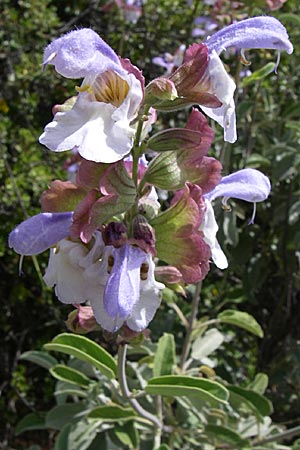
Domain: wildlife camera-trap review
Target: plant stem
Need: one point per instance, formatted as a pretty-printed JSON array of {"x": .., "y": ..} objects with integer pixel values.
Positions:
[
  {"x": 187, "y": 341},
  {"x": 126, "y": 392},
  {"x": 158, "y": 431},
  {"x": 278, "y": 437},
  {"x": 136, "y": 145}
]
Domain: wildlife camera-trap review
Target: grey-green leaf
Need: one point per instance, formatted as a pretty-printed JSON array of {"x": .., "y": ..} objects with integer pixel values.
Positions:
[
  {"x": 173, "y": 385},
  {"x": 226, "y": 435},
  {"x": 259, "y": 402},
  {"x": 242, "y": 320},
  {"x": 31, "y": 421},
  {"x": 164, "y": 359},
  {"x": 207, "y": 344},
  {"x": 112, "y": 413},
  {"x": 260, "y": 383},
  {"x": 259, "y": 74},
  {"x": 61, "y": 415},
  {"x": 127, "y": 434},
  {"x": 70, "y": 375},
  {"x": 86, "y": 350},
  {"x": 42, "y": 359}
]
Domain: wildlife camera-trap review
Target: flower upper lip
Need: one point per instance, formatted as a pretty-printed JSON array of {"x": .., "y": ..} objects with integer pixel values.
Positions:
[
  {"x": 256, "y": 32},
  {"x": 81, "y": 52}
]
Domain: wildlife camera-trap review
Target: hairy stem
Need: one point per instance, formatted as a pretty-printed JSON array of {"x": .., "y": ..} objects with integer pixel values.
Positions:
[
  {"x": 158, "y": 431},
  {"x": 126, "y": 392},
  {"x": 278, "y": 437},
  {"x": 187, "y": 341}
]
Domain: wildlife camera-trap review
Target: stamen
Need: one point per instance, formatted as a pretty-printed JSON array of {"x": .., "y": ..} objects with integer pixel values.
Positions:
[
  {"x": 243, "y": 58},
  {"x": 225, "y": 206},
  {"x": 110, "y": 88},
  {"x": 144, "y": 271},
  {"x": 20, "y": 265},
  {"x": 277, "y": 62},
  {"x": 110, "y": 263},
  {"x": 251, "y": 222},
  {"x": 84, "y": 88},
  {"x": 56, "y": 249},
  {"x": 49, "y": 59}
]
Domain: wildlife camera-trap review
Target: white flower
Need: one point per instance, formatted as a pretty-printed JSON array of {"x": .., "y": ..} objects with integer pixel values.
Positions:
[
  {"x": 119, "y": 287},
  {"x": 78, "y": 271},
  {"x": 99, "y": 122}
]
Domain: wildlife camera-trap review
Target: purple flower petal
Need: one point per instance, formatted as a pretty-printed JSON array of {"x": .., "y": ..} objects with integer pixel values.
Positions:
[
  {"x": 256, "y": 32},
  {"x": 247, "y": 184},
  {"x": 122, "y": 289},
  {"x": 81, "y": 52},
  {"x": 37, "y": 234}
]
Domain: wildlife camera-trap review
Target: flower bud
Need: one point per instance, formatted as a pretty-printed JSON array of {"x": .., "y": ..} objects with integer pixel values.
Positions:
[
  {"x": 168, "y": 274},
  {"x": 115, "y": 233},
  {"x": 160, "y": 89},
  {"x": 81, "y": 320},
  {"x": 143, "y": 233},
  {"x": 134, "y": 338}
]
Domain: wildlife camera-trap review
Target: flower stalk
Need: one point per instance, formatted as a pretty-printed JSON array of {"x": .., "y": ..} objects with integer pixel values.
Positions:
[
  {"x": 187, "y": 341},
  {"x": 126, "y": 392}
]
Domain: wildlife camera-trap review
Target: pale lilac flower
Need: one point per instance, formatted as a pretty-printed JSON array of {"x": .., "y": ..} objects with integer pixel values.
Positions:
[
  {"x": 247, "y": 184},
  {"x": 38, "y": 233},
  {"x": 99, "y": 123},
  {"x": 132, "y": 8},
  {"x": 170, "y": 62},
  {"x": 80, "y": 53},
  {"x": 203, "y": 27},
  {"x": 257, "y": 32},
  {"x": 275, "y": 4},
  {"x": 118, "y": 282}
]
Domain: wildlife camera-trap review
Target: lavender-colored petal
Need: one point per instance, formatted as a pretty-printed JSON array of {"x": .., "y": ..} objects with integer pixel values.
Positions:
[
  {"x": 149, "y": 301},
  {"x": 256, "y": 32},
  {"x": 37, "y": 234},
  {"x": 247, "y": 184},
  {"x": 81, "y": 52},
  {"x": 159, "y": 61},
  {"x": 122, "y": 289}
]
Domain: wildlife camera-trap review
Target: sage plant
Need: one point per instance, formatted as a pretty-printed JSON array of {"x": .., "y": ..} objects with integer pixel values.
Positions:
[{"x": 112, "y": 247}]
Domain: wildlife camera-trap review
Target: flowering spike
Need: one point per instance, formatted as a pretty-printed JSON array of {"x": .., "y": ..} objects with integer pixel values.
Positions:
[
  {"x": 256, "y": 32},
  {"x": 38, "y": 233}
]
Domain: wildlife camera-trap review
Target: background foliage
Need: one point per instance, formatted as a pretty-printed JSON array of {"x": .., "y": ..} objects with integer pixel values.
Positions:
[{"x": 263, "y": 277}]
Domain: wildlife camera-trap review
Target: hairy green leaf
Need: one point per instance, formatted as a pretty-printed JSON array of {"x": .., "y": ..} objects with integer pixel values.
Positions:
[{"x": 86, "y": 350}]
